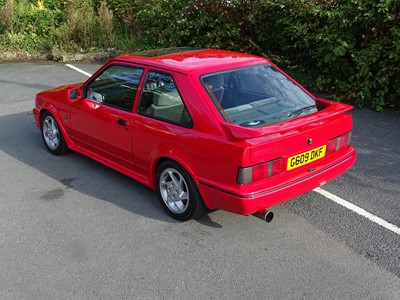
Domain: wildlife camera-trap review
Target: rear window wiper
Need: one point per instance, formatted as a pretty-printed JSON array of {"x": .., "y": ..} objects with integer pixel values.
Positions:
[{"x": 297, "y": 112}]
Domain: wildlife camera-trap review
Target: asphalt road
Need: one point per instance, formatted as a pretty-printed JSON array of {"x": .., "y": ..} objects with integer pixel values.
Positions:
[{"x": 71, "y": 228}]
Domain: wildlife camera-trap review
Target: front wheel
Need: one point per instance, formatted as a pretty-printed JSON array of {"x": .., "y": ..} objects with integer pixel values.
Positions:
[
  {"x": 178, "y": 193},
  {"x": 52, "y": 135}
]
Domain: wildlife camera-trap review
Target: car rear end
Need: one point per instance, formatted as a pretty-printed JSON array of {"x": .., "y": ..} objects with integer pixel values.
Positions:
[{"x": 292, "y": 142}]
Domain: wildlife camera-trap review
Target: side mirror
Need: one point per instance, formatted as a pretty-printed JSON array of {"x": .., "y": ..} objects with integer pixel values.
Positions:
[{"x": 75, "y": 94}]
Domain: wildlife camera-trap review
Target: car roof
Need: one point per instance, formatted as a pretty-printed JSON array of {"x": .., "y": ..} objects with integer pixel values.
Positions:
[{"x": 202, "y": 61}]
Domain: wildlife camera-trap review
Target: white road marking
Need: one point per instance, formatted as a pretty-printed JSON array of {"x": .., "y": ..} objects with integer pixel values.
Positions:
[
  {"x": 330, "y": 196},
  {"x": 78, "y": 70},
  {"x": 358, "y": 210}
]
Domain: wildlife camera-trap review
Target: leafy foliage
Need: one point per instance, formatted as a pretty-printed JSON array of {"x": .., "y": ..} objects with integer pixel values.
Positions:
[
  {"x": 25, "y": 26},
  {"x": 349, "y": 49}
]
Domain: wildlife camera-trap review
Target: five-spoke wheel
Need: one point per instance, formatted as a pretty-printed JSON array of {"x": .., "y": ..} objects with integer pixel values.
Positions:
[
  {"x": 52, "y": 136},
  {"x": 178, "y": 193},
  {"x": 174, "y": 190}
]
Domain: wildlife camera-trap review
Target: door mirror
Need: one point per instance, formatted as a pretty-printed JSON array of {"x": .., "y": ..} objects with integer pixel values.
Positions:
[{"x": 75, "y": 94}]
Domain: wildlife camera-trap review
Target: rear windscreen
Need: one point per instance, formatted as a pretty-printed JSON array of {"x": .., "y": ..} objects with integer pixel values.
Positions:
[{"x": 257, "y": 96}]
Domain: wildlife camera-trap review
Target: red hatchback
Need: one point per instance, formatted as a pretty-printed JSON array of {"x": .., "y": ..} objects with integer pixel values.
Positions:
[{"x": 207, "y": 129}]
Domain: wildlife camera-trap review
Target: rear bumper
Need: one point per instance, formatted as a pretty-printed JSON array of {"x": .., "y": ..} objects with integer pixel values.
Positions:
[{"x": 246, "y": 204}]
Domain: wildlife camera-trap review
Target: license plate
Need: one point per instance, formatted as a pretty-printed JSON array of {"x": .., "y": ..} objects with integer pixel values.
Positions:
[{"x": 305, "y": 157}]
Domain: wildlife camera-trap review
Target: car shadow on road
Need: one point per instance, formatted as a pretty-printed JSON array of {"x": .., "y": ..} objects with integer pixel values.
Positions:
[{"x": 21, "y": 139}]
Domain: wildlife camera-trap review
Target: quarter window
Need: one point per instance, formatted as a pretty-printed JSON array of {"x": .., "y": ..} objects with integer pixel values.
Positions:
[
  {"x": 160, "y": 99},
  {"x": 116, "y": 86}
]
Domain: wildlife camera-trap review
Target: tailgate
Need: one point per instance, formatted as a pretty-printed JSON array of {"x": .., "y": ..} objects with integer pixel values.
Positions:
[{"x": 302, "y": 145}]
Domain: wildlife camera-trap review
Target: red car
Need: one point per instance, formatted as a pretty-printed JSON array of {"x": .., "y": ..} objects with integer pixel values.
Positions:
[{"x": 207, "y": 129}]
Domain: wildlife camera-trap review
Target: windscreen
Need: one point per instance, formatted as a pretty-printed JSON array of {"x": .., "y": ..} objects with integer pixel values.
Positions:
[{"x": 256, "y": 96}]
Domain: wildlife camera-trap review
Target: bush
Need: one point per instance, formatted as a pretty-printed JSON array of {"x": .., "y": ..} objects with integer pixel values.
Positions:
[
  {"x": 26, "y": 27},
  {"x": 358, "y": 51},
  {"x": 213, "y": 24},
  {"x": 347, "y": 48},
  {"x": 72, "y": 25},
  {"x": 78, "y": 30}
]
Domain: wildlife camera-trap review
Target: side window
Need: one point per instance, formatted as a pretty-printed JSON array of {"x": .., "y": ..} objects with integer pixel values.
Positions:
[
  {"x": 160, "y": 99},
  {"x": 116, "y": 87}
]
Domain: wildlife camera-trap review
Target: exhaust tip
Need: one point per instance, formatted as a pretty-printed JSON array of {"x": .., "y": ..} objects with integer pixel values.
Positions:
[{"x": 264, "y": 215}]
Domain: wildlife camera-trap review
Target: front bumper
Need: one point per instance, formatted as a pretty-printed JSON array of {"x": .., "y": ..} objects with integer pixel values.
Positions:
[{"x": 36, "y": 115}]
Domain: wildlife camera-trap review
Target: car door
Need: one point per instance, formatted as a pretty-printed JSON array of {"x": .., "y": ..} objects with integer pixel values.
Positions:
[
  {"x": 162, "y": 119},
  {"x": 101, "y": 120}
]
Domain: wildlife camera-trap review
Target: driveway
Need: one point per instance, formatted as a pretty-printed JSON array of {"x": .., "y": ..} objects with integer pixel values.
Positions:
[{"x": 71, "y": 228}]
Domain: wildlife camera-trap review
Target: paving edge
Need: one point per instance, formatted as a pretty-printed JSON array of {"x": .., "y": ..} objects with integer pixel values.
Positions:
[{"x": 67, "y": 57}]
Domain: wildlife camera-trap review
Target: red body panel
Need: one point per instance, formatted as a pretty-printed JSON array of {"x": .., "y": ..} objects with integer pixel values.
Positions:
[{"x": 212, "y": 150}]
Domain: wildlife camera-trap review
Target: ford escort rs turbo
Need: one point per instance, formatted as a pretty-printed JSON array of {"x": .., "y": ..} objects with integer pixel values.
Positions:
[{"x": 206, "y": 129}]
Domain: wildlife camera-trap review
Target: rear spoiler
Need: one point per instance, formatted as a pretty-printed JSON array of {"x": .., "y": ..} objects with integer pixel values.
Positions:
[{"x": 329, "y": 110}]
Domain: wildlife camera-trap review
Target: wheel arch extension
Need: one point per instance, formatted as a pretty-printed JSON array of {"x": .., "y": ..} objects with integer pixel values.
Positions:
[
  {"x": 181, "y": 162},
  {"x": 173, "y": 158},
  {"x": 53, "y": 111}
]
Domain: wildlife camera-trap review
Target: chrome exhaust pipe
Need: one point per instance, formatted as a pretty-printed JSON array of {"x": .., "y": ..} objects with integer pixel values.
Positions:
[{"x": 264, "y": 215}]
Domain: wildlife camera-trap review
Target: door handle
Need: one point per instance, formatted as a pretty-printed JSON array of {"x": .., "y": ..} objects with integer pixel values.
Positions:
[{"x": 121, "y": 122}]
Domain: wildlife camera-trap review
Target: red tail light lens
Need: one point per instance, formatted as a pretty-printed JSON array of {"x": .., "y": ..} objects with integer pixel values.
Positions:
[
  {"x": 345, "y": 140},
  {"x": 339, "y": 143},
  {"x": 262, "y": 171},
  {"x": 332, "y": 146},
  {"x": 277, "y": 167},
  {"x": 259, "y": 172}
]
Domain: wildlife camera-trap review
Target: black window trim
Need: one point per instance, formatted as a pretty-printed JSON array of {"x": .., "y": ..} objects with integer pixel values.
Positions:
[{"x": 92, "y": 79}]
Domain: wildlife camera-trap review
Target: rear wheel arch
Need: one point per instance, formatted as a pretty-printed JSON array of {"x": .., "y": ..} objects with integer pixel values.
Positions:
[
  {"x": 177, "y": 191},
  {"x": 181, "y": 159},
  {"x": 177, "y": 161}
]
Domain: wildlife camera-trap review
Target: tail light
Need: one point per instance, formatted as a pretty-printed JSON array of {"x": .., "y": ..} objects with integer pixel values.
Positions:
[
  {"x": 258, "y": 172},
  {"x": 339, "y": 143}
]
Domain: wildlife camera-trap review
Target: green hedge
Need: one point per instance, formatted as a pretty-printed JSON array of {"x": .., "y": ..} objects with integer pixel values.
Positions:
[{"x": 349, "y": 49}]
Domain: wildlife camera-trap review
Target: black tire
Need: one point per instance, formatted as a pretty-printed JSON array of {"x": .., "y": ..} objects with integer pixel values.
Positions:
[
  {"x": 52, "y": 135},
  {"x": 178, "y": 193}
]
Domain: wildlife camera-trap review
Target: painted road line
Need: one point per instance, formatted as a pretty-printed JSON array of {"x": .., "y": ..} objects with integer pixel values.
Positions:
[
  {"x": 78, "y": 70},
  {"x": 358, "y": 210}
]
